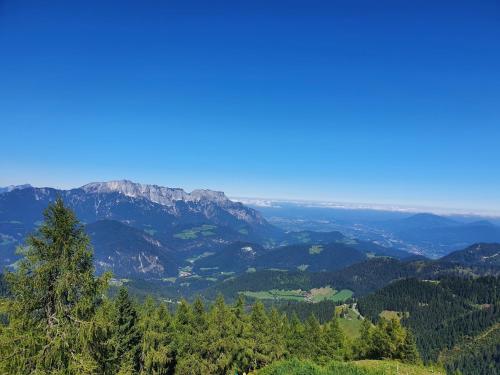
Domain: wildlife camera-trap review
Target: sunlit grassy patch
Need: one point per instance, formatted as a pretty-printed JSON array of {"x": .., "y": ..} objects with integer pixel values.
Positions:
[
  {"x": 193, "y": 233},
  {"x": 315, "y": 249}
]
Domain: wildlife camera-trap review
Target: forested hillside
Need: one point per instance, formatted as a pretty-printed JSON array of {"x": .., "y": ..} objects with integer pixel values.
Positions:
[
  {"x": 446, "y": 317},
  {"x": 59, "y": 320}
]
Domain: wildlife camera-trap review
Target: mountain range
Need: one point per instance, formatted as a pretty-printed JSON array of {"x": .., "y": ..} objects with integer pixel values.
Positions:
[
  {"x": 427, "y": 234},
  {"x": 156, "y": 232},
  {"x": 441, "y": 235},
  {"x": 135, "y": 221}
]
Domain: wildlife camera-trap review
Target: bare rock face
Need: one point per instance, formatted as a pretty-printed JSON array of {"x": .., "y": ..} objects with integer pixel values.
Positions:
[
  {"x": 157, "y": 194},
  {"x": 201, "y": 200}
]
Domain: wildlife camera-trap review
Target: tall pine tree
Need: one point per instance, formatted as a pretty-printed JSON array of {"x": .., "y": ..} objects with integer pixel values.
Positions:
[
  {"x": 127, "y": 335},
  {"x": 54, "y": 297}
]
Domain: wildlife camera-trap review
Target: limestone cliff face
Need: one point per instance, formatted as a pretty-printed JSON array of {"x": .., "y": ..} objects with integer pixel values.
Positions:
[{"x": 207, "y": 202}]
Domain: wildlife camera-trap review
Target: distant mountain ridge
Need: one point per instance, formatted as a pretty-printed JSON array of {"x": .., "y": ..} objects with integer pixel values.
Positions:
[
  {"x": 439, "y": 235},
  {"x": 185, "y": 222},
  {"x": 158, "y": 194},
  {"x": 173, "y": 201},
  {"x": 6, "y": 189},
  {"x": 482, "y": 254}
]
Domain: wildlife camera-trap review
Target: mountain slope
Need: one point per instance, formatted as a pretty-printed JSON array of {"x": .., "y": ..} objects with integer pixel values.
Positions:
[
  {"x": 169, "y": 215},
  {"x": 130, "y": 252},
  {"x": 362, "y": 277},
  {"x": 236, "y": 257},
  {"x": 240, "y": 256},
  {"x": 328, "y": 257},
  {"x": 442, "y": 315},
  {"x": 318, "y": 238},
  {"x": 437, "y": 236},
  {"x": 482, "y": 254}
]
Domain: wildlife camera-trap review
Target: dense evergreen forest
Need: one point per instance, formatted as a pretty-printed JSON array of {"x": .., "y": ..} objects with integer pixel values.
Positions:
[
  {"x": 449, "y": 316},
  {"x": 59, "y": 321}
]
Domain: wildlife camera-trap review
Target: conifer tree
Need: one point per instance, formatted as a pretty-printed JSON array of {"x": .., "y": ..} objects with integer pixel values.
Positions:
[
  {"x": 334, "y": 339},
  {"x": 363, "y": 345},
  {"x": 408, "y": 349},
  {"x": 243, "y": 341},
  {"x": 262, "y": 346},
  {"x": 127, "y": 335},
  {"x": 312, "y": 332},
  {"x": 100, "y": 338},
  {"x": 54, "y": 297},
  {"x": 222, "y": 344},
  {"x": 276, "y": 335},
  {"x": 157, "y": 353},
  {"x": 295, "y": 337},
  {"x": 199, "y": 315}
]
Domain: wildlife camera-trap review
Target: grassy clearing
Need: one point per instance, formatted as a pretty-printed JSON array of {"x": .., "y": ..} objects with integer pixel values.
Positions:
[
  {"x": 275, "y": 294},
  {"x": 315, "y": 249},
  {"x": 243, "y": 231},
  {"x": 198, "y": 257},
  {"x": 312, "y": 296},
  {"x": 350, "y": 323},
  {"x": 343, "y": 295},
  {"x": 193, "y": 233},
  {"x": 398, "y": 368},
  {"x": 169, "y": 279},
  {"x": 298, "y": 367},
  {"x": 187, "y": 235},
  {"x": 322, "y": 294}
]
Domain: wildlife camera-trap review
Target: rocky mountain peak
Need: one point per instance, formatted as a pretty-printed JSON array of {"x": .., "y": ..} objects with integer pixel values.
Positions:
[
  {"x": 10, "y": 188},
  {"x": 158, "y": 194}
]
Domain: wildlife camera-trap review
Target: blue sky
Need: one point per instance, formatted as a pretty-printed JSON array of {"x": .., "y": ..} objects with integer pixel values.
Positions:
[{"x": 364, "y": 101}]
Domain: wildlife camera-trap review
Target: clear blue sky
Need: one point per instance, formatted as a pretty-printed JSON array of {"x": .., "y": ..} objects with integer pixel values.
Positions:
[{"x": 368, "y": 101}]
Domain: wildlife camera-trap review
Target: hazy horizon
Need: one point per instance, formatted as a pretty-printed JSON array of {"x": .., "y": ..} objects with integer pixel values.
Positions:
[{"x": 266, "y": 201}]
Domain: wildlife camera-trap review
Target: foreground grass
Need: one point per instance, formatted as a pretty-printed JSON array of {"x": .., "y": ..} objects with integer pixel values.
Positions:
[
  {"x": 369, "y": 367},
  {"x": 398, "y": 368}
]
